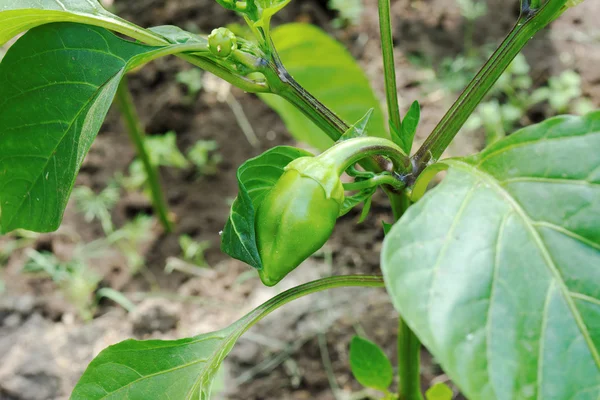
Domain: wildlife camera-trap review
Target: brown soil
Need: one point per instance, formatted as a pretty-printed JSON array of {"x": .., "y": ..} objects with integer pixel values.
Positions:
[{"x": 44, "y": 346}]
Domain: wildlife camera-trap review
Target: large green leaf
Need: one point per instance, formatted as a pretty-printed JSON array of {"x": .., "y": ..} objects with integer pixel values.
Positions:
[
  {"x": 255, "y": 178},
  {"x": 182, "y": 369},
  {"x": 56, "y": 85},
  {"x": 324, "y": 68},
  {"x": 498, "y": 268},
  {"x": 17, "y": 16}
]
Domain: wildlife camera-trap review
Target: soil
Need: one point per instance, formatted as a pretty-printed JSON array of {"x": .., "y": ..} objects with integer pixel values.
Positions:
[{"x": 45, "y": 346}]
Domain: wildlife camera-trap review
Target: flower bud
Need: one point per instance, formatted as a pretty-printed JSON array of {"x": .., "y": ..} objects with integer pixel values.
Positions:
[{"x": 222, "y": 42}]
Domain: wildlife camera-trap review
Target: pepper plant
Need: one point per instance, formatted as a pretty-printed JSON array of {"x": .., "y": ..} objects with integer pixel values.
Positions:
[{"x": 495, "y": 270}]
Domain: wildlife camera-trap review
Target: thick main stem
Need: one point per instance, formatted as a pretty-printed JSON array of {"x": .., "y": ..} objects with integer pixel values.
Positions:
[
  {"x": 136, "y": 134},
  {"x": 409, "y": 361},
  {"x": 409, "y": 345},
  {"x": 529, "y": 23},
  {"x": 387, "y": 47}
]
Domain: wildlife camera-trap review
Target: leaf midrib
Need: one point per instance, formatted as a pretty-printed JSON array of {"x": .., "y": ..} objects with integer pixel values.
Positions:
[{"x": 529, "y": 223}]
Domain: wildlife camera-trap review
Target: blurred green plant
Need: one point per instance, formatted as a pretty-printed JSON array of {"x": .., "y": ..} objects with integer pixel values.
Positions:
[
  {"x": 17, "y": 240},
  {"x": 471, "y": 10},
  {"x": 513, "y": 96},
  {"x": 204, "y": 156},
  {"x": 98, "y": 206},
  {"x": 163, "y": 152},
  {"x": 192, "y": 256},
  {"x": 349, "y": 12},
  {"x": 130, "y": 238},
  {"x": 192, "y": 80},
  {"x": 76, "y": 280}
]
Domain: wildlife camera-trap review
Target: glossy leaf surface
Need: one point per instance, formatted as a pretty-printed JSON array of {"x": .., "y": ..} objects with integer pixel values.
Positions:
[
  {"x": 255, "y": 178},
  {"x": 326, "y": 69},
  {"x": 497, "y": 269},
  {"x": 56, "y": 85}
]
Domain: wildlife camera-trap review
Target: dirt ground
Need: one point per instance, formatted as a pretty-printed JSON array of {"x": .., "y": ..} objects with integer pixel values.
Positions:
[{"x": 301, "y": 352}]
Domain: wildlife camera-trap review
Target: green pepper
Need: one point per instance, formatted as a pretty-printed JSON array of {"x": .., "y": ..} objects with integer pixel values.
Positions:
[
  {"x": 222, "y": 42},
  {"x": 297, "y": 216}
]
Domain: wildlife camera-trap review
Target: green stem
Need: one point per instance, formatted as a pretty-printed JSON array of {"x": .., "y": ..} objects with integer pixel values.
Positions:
[
  {"x": 373, "y": 182},
  {"x": 313, "y": 287},
  {"x": 528, "y": 24},
  {"x": 349, "y": 152},
  {"x": 409, "y": 345},
  {"x": 284, "y": 85},
  {"x": 387, "y": 47},
  {"x": 136, "y": 134},
  {"x": 409, "y": 355},
  {"x": 148, "y": 37}
]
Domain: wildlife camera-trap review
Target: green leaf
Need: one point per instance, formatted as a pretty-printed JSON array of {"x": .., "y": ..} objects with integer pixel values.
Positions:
[
  {"x": 369, "y": 364},
  {"x": 324, "y": 68},
  {"x": 153, "y": 369},
  {"x": 439, "y": 391},
  {"x": 255, "y": 178},
  {"x": 359, "y": 129},
  {"x": 183, "y": 369},
  {"x": 409, "y": 127},
  {"x": 387, "y": 227},
  {"x": 17, "y": 16},
  {"x": 56, "y": 85},
  {"x": 268, "y": 9},
  {"x": 497, "y": 268}
]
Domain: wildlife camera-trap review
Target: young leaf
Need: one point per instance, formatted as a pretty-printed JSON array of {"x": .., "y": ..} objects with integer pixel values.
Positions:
[
  {"x": 439, "y": 391},
  {"x": 369, "y": 364},
  {"x": 328, "y": 71},
  {"x": 56, "y": 85},
  {"x": 352, "y": 201},
  {"x": 359, "y": 129},
  {"x": 386, "y": 227},
  {"x": 496, "y": 269},
  {"x": 365, "y": 211},
  {"x": 17, "y": 16},
  {"x": 185, "y": 368},
  {"x": 255, "y": 178},
  {"x": 409, "y": 127}
]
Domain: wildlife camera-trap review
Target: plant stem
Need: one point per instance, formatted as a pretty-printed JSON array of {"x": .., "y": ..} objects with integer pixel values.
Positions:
[
  {"x": 284, "y": 85},
  {"x": 347, "y": 153},
  {"x": 375, "y": 181},
  {"x": 409, "y": 345},
  {"x": 528, "y": 24},
  {"x": 314, "y": 287},
  {"x": 409, "y": 361},
  {"x": 387, "y": 47},
  {"x": 136, "y": 134}
]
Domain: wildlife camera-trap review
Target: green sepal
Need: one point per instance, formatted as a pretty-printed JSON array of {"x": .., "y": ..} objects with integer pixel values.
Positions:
[
  {"x": 324, "y": 174},
  {"x": 255, "y": 177}
]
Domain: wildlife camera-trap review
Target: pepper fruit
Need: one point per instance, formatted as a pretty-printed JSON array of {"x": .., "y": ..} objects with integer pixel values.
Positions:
[{"x": 297, "y": 216}]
